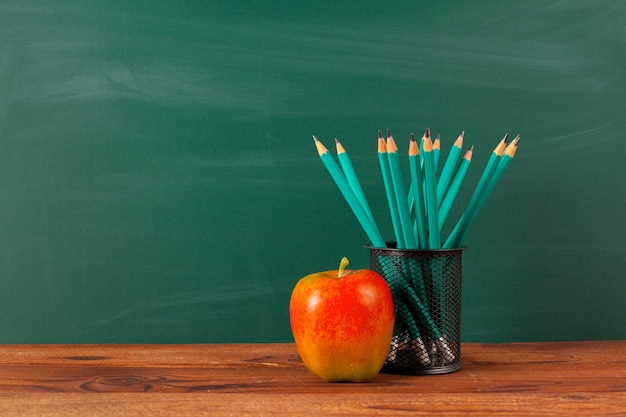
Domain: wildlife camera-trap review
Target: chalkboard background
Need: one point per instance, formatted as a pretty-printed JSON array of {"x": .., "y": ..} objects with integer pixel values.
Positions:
[{"x": 159, "y": 183}]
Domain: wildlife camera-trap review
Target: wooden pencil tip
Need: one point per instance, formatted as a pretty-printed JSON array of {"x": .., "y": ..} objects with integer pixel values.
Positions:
[
  {"x": 500, "y": 148},
  {"x": 510, "y": 149},
  {"x": 339, "y": 146},
  {"x": 459, "y": 140},
  {"x": 380, "y": 134},
  {"x": 391, "y": 145},
  {"x": 414, "y": 150},
  {"x": 428, "y": 144},
  {"x": 321, "y": 149},
  {"x": 427, "y": 133},
  {"x": 388, "y": 133},
  {"x": 382, "y": 146},
  {"x": 437, "y": 143}
]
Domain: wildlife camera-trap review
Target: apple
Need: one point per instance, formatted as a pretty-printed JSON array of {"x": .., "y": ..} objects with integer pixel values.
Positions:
[{"x": 342, "y": 323}]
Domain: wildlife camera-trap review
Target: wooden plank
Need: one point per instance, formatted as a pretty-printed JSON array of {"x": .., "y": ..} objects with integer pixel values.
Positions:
[{"x": 588, "y": 378}]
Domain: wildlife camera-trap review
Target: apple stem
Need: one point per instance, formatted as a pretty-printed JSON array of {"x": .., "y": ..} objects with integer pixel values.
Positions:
[{"x": 342, "y": 266}]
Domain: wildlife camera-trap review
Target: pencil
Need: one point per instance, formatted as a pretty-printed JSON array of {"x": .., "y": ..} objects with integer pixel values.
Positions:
[
  {"x": 417, "y": 194},
  {"x": 448, "y": 168},
  {"x": 447, "y": 202},
  {"x": 502, "y": 166},
  {"x": 455, "y": 238},
  {"x": 368, "y": 226},
  {"x": 391, "y": 199},
  {"x": 353, "y": 180},
  {"x": 436, "y": 152},
  {"x": 400, "y": 193},
  {"x": 430, "y": 191}
]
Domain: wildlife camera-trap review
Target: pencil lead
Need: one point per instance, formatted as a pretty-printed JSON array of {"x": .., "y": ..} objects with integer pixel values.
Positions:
[
  {"x": 427, "y": 133},
  {"x": 380, "y": 135},
  {"x": 388, "y": 133},
  {"x": 413, "y": 137}
]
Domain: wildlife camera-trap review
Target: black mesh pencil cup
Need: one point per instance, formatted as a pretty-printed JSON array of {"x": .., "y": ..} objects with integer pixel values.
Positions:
[{"x": 426, "y": 289}]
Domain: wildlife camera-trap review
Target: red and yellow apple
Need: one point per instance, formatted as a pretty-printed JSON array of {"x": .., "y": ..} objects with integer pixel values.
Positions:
[{"x": 342, "y": 323}]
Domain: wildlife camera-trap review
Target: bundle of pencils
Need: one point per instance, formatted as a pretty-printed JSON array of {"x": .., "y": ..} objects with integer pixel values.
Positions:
[{"x": 417, "y": 215}]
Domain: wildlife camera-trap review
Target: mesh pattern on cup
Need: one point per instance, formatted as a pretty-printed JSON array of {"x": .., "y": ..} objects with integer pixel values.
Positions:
[{"x": 426, "y": 289}]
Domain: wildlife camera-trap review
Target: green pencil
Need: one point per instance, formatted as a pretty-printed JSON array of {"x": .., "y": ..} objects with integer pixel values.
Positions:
[
  {"x": 502, "y": 165},
  {"x": 391, "y": 199},
  {"x": 446, "y": 205},
  {"x": 448, "y": 168},
  {"x": 455, "y": 238},
  {"x": 353, "y": 180},
  {"x": 430, "y": 191},
  {"x": 368, "y": 226},
  {"x": 417, "y": 194},
  {"x": 436, "y": 152},
  {"x": 395, "y": 169}
]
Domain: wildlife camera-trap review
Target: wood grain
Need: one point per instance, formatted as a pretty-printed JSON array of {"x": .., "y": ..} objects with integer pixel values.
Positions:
[{"x": 535, "y": 379}]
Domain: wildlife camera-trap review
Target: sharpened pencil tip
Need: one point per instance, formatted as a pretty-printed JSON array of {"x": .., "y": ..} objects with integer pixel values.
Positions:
[
  {"x": 388, "y": 133},
  {"x": 437, "y": 143},
  {"x": 339, "y": 146},
  {"x": 321, "y": 149},
  {"x": 414, "y": 150},
  {"x": 382, "y": 146},
  {"x": 500, "y": 148},
  {"x": 459, "y": 140},
  {"x": 512, "y": 148},
  {"x": 427, "y": 133},
  {"x": 380, "y": 135},
  {"x": 391, "y": 145}
]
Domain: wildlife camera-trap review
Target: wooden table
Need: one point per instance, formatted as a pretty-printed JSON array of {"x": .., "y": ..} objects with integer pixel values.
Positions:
[{"x": 575, "y": 378}]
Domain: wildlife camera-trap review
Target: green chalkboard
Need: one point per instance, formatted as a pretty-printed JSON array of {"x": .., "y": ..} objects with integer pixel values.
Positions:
[{"x": 159, "y": 183}]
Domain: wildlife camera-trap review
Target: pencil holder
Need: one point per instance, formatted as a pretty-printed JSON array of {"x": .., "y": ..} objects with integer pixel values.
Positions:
[{"x": 426, "y": 289}]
